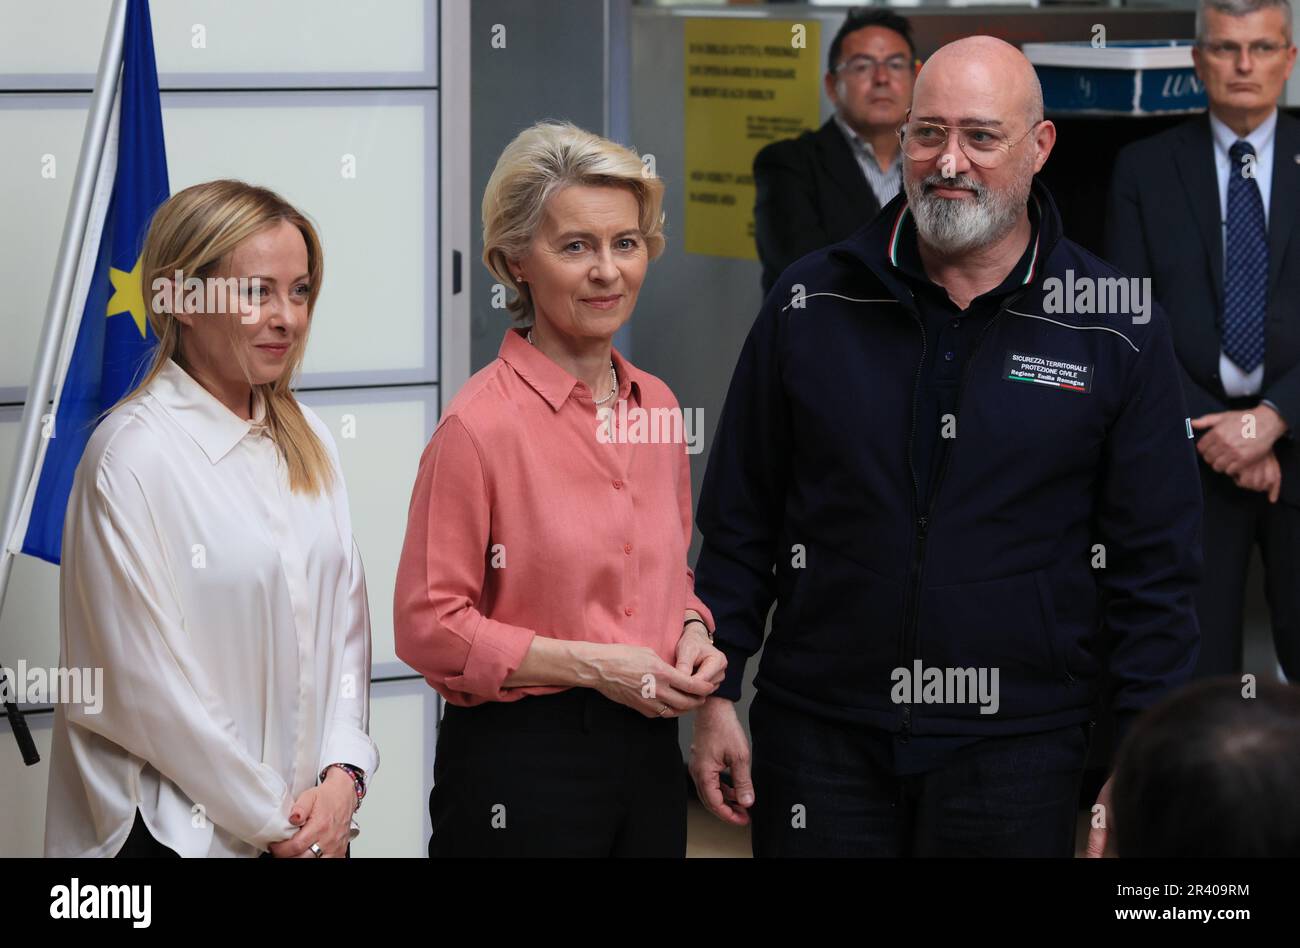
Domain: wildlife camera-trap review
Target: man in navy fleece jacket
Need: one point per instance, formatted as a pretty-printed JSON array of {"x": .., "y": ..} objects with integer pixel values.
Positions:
[{"x": 955, "y": 455}]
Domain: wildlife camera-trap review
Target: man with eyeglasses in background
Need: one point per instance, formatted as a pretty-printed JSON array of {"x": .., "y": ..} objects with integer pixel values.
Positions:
[
  {"x": 1208, "y": 211},
  {"x": 968, "y": 502},
  {"x": 822, "y": 186}
]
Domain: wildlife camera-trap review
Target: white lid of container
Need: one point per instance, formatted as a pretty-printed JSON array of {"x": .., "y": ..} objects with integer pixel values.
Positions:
[{"x": 1123, "y": 54}]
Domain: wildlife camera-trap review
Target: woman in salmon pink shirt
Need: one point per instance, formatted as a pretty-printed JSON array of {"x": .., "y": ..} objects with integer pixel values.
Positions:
[{"x": 543, "y": 588}]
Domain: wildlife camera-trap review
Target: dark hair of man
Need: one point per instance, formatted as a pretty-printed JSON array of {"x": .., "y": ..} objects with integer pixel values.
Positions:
[{"x": 860, "y": 18}]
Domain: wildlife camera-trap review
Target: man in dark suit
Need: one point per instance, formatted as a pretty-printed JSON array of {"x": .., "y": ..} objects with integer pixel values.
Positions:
[
  {"x": 1207, "y": 211},
  {"x": 819, "y": 188}
]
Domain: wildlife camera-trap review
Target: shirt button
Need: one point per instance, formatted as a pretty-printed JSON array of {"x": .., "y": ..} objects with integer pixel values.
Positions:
[
  {"x": 956, "y": 324},
  {"x": 627, "y": 548},
  {"x": 618, "y": 485},
  {"x": 627, "y": 611},
  {"x": 947, "y": 356}
]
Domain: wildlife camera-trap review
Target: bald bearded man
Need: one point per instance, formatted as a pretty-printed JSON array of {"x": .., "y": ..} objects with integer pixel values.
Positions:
[{"x": 955, "y": 455}]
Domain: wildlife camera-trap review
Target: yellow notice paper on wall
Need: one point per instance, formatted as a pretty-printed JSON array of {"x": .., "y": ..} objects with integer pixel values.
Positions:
[{"x": 748, "y": 83}]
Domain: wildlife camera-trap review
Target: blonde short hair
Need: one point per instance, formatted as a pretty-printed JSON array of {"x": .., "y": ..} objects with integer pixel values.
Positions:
[{"x": 542, "y": 160}]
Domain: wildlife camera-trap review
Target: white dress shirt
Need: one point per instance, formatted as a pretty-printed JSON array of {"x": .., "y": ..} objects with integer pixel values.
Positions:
[
  {"x": 886, "y": 184},
  {"x": 230, "y": 619},
  {"x": 1236, "y": 382}
]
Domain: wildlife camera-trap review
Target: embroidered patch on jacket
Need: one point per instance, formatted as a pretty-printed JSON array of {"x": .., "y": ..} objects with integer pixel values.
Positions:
[{"x": 1044, "y": 370}]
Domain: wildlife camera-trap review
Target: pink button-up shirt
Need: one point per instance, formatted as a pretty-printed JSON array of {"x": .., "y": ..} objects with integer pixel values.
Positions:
[{"x": 527, "y": 520}]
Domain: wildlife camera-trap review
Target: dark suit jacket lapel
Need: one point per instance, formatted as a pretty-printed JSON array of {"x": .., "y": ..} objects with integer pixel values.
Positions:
[
  {"x": 1195, "y": 162},
  {"x": 1284, "y": 202},
  {"x": 837, "y": 157}
]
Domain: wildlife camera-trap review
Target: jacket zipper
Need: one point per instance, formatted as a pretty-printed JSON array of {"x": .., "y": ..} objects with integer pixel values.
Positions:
[{"x": 922, "y": 520}]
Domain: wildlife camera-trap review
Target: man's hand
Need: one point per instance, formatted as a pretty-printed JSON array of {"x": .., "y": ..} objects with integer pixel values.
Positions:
[
  {"x": 1265, "y": 476},
  {"x": 718, "y": 744},
  {"x": 1098, "y": 836},
  {"x": 1234, "y": 440}
]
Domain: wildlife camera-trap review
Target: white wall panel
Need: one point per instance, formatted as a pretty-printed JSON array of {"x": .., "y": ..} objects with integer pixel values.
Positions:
[
  {"x": 376, "y": 321},
  {"x": 22, "y": 790},
  {"x": 29, "y": 623},
  {"x": 229, "y": 43},
  {"x": 394, "y": 818},
  {"x": 381, "y": 434},
  {"x": 31, "y": 222}
]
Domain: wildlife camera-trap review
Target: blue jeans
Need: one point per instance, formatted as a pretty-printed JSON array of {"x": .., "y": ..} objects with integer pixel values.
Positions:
[{"x": 820, "y": 790}]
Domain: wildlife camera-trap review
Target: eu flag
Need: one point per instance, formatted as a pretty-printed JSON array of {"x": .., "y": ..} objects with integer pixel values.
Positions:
[{"x": 114, "y": 342}]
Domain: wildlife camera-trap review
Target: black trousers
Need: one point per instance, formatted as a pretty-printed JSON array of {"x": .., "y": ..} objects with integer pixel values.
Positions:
[
  {"x": 140, "y": 844},
  {"x": 1235, "y": 520},
  {"x": 568, "y": 774},
  {"x": 819, "y": 792}
]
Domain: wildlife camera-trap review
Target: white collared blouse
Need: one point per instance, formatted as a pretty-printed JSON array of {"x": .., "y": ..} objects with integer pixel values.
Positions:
[{"x": 229, "y": 616}]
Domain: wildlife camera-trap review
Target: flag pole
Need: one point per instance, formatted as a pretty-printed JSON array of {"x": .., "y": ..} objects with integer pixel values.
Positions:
[{"x": 57, "y": 314}]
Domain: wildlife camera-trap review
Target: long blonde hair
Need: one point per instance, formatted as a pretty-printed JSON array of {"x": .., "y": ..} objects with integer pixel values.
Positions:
[{"x": 194, "y": 232}]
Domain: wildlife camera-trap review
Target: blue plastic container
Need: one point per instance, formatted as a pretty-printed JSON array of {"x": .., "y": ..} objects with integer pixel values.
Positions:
[{"x": 1131, "y": 77}]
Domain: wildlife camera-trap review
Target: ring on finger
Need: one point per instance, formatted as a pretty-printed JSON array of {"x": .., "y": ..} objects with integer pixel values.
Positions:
[{"x": 315, "y": 848}]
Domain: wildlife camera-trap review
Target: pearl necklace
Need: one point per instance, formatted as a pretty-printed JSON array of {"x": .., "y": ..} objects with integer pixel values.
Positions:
[{"x": 613, "y": 376}]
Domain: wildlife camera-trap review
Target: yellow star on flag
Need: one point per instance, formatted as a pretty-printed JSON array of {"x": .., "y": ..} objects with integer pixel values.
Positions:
[{"x": 128, "y": 296}]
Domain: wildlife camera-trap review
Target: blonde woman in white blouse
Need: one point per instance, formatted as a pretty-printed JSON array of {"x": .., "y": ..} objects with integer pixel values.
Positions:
[{"x": 209, "y": 568}]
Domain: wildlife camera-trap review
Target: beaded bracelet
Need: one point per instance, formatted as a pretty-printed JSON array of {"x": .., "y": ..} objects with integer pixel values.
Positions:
[{"x": 358, "y": 780}]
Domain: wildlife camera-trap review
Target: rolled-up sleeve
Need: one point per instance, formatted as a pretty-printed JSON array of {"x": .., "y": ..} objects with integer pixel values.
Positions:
[{"x": 438, "y": 628}]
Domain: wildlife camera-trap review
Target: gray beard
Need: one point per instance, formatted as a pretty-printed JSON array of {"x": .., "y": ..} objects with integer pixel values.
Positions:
[{"x": 955, "y": 227}]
